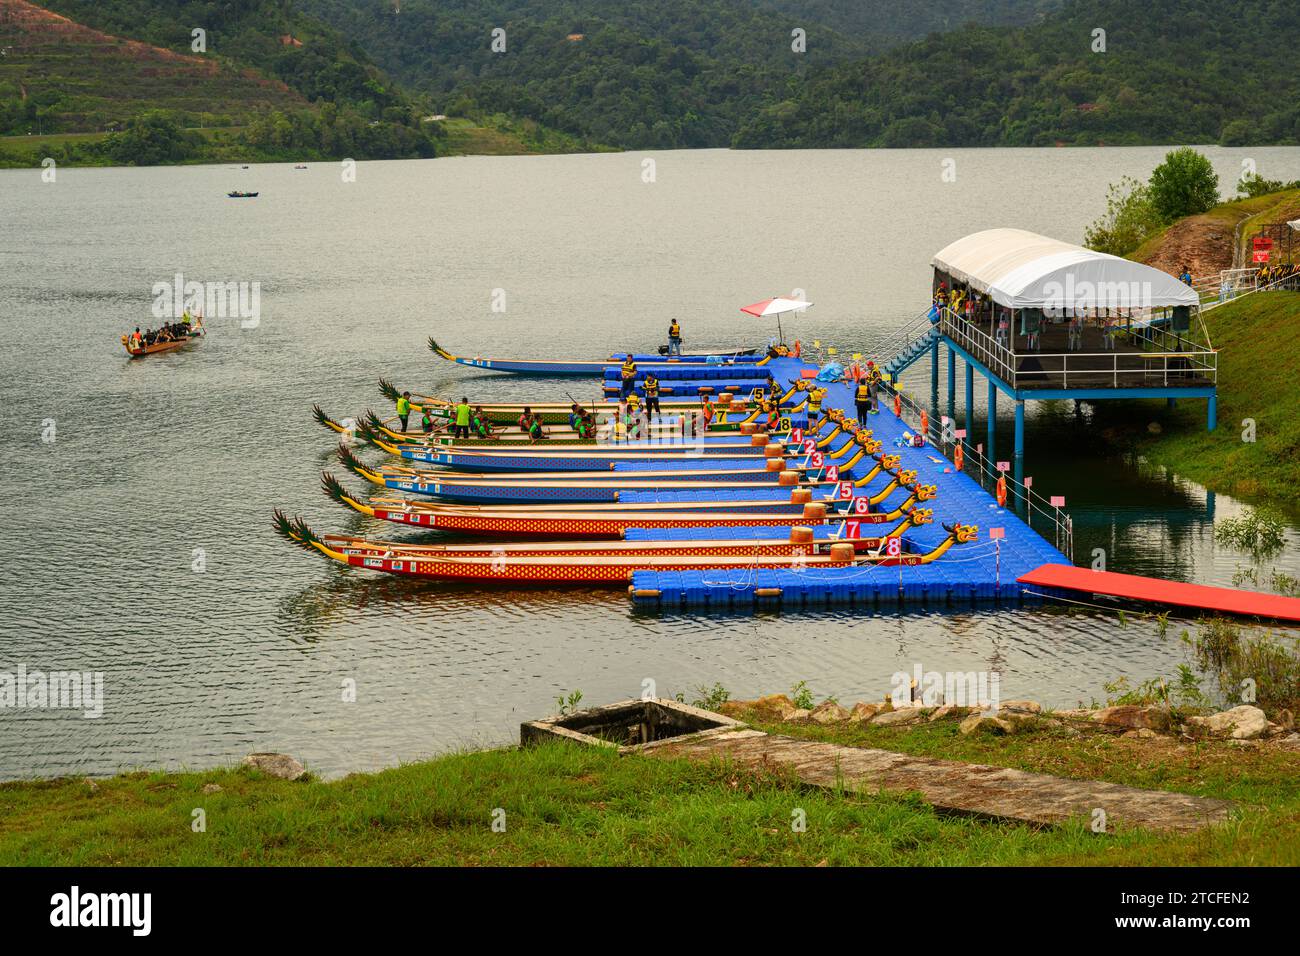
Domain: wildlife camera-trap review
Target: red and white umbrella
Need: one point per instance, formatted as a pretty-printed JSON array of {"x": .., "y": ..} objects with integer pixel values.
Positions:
[{"x": 778, "y": 307}]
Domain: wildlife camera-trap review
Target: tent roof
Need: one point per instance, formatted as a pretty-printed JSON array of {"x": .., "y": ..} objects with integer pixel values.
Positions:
[{"x": 1023, "y": 270}]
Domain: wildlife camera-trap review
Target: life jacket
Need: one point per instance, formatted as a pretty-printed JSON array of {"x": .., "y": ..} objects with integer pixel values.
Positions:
[
  {"x": 629, "y": 370},
  {"x": 462, "y": 414},
  {"x": 674, "y": 330},
  {"x": 403, "y": 406},
  {"x": 863, "y": 392},
  {"x": 651, "y": 386}
]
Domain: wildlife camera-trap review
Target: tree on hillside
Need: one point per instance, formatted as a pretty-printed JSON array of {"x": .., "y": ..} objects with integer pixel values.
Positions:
[
  {"x": 1130, "y": 217},
  {"x": 1185, "y": 184},
  {"x": 150, "y": 139}
]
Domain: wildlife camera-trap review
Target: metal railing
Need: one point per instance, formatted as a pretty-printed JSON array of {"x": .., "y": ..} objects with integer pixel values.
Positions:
[
  {"x": 1157, "y": 366},
  {"x": 1029, "y": 504}
]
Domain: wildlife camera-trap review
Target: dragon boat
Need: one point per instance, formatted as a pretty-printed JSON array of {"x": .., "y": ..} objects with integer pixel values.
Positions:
[
  {"x": 612, "y": 520},
  {"x": 730, "y": 410},
  {"x": 518, "y": 565},
  {"x": 588, "y": 368},
  {"x": 690, "y": 490},
  {"x": 169, "y": 346}
]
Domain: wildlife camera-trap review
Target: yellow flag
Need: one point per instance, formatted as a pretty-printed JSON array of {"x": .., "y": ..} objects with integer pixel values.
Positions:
[
  {"x": 830, "y": 351},
  {"x": 817, "y": 344},
  {"x": 857, "y": 356}
]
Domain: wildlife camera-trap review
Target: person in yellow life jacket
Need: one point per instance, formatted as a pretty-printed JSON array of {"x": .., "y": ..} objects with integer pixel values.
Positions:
[
  {"x": 650, "y": 385},
  {"x": 463, "y": 413},
  {"x": 815, "y": 403},
  {"x": 862, "y": 400},
  {"x": 628, "y": 375},
  {"x": 404, "y": 409},
  {"x": 674, "y": 338}
]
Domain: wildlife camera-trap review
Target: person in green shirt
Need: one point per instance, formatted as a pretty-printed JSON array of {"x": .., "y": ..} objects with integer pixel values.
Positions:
[
  {"x": 404, "y": 409},
  {"x": 463, "y": 412}
]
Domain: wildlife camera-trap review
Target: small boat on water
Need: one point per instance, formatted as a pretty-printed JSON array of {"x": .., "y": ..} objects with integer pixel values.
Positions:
[
  {"x": 593, "y": 367},
  {"x": 237, "y": 194},
  {"x": 170, "y": 345},
  {"x": 300, "y": 166}
]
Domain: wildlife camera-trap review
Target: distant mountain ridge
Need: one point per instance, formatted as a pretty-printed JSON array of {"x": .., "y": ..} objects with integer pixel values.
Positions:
[
  {"x": 635, "y": 73},
  {"x": 1171, "y": 71}
]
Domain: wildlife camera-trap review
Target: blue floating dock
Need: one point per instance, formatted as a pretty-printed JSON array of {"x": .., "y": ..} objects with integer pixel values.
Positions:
[{"x": 984, "y": 571}]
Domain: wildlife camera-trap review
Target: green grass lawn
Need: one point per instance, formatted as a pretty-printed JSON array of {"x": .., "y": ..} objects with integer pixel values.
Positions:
[
  {"x": 1259, "y": 379},
  {"x": 565, "y": 805}
]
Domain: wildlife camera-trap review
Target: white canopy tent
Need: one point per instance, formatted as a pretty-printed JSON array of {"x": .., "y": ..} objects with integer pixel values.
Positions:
[{"x": 1023, "y": 270}]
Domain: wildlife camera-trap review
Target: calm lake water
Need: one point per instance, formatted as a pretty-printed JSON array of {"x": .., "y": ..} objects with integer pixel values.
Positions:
[{"x": 155, "y": 459}]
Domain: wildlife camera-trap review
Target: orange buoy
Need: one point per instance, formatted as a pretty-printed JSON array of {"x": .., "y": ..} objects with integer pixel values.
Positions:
[
  {"x": 1002, "y": 491},
  {"x": 925, "y": 424},
  {"x": 898, "y": 405},
  {"x": 958, "y": 456}
]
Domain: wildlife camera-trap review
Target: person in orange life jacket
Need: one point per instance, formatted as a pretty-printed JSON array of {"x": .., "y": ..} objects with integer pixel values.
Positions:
[{"x": 650, "y": 385}]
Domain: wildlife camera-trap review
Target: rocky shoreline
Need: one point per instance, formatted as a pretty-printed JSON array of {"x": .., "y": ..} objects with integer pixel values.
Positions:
[{"x": 1243, "y": 725}]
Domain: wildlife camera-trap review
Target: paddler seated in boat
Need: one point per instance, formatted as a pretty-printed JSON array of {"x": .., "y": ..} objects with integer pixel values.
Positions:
[
  {"x": 628, "y": 376},
  {"x": 650, "y": 385},
  {"x": 576, "y": 414},
  {"x": 531, "y": 425},
  {"x": 480, "y": 424},
  {"x": 404, "y": 409},
  {"x": 426, "y": 423}
]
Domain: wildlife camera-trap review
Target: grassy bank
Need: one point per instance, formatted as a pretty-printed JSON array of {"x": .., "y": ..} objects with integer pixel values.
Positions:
[
  {"x": 566, "y": 805},
  {"x": 1258, "y": 380},
  {"x": 487, "y": 136}
]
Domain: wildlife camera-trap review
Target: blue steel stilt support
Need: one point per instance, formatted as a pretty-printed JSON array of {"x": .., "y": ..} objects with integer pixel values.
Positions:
[
  {"x": 952, "y": 384},
  {"x": 1212, "y": 413},
  {"x": 934, "y": 374},
  {"x": 970, "y": 402},
  {"x": 1020, "y": 454},
  {"x": 990, "y": 447}
]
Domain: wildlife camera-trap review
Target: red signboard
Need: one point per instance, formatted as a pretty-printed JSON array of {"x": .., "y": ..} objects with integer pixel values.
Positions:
[
  {"x": 1260, "y": 255},
  {"x": 1262, "y": 242}
]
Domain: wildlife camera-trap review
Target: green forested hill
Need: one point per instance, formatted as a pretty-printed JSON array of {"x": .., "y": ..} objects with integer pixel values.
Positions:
[
  {"x": 644, "y": 73},
  {"x": 1173, "y": 71},
  {"x": 290, "y": 84}
]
